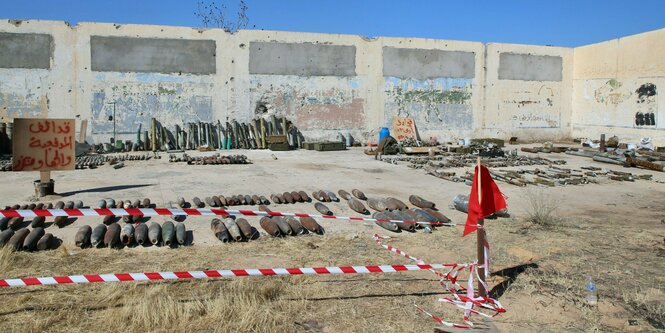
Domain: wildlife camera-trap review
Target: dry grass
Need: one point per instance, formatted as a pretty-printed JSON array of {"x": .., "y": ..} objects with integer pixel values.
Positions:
[
  {"x": 542, "y": 209},
  {"x": 647, "y": 302}
]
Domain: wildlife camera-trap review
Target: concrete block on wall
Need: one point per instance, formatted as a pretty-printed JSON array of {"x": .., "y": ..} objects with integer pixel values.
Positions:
[
  {"x": 23, "y": 50},
  {"x": 125, "y": 54},
  {"x": 428, "y": 64},
  {"x": 529, "y": 67},
  {"x": 302, "y": 59}
]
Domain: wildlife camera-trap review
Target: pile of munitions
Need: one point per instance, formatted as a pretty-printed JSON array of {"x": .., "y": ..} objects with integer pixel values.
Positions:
[
  {"x": 15, "y": 232},
  {"x": 641, "y": 158},
  {"x": 131, "y": 234},
  {"x": 395, "y": 209},
  {"x": 91, "y": 161},
  {"x": 136, "y": 203},
  {"x": 208, "y": 160},
  {"x": 224, "y": 201},
  {"x": 290, "y": 197},
  {"x": 452, "y": 160}
]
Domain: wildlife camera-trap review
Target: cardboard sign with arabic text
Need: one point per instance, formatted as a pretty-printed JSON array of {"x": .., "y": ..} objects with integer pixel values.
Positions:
[
  {"x": 403, "y": 128},
  {"x": 43, "y": 144}
]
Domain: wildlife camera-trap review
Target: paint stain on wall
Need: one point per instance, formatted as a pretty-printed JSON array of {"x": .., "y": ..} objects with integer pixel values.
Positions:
[
  {"x": 611, "y": 93},
  {"x": 435, "y": 104},
  {"x": 646, "y": 93}
]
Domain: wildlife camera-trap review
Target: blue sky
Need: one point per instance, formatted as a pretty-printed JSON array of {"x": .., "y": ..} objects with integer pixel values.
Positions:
[{"x": 557, "y": 22}]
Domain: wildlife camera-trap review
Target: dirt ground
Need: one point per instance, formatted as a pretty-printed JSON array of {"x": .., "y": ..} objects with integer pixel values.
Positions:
[{"x": 612, "y": 231}]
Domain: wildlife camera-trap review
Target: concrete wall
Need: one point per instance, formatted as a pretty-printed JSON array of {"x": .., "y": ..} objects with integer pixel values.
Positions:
[
  {"x": 618, "y": 88},
  {"x": 327, "y": 83}
]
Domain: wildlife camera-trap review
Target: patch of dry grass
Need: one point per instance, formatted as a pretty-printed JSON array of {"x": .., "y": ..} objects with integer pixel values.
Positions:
[
  {"x": 542, "y": 209},
  {"x": 647, "y": 302}
]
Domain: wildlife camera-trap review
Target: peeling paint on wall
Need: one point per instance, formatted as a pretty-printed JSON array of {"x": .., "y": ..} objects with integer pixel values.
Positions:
[
  {"x": 534, "y": 106},
  {"x": 172, "y": 102},
  {"x": 23, "y": 94},
  {"x": 314, "y": 103},
  {"x": 435, "y": 104}
]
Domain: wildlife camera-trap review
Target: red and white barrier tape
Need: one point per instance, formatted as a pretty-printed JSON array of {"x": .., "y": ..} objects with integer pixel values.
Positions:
[
  {"x": 155, "y": 276},
  {"x": 189, "y": 212},
  {"x": 449, "y": 281}
]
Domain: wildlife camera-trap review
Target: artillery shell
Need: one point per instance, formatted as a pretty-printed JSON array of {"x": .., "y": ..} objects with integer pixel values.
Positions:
[
  {"x": 245, "y": 228},
  {"x": 264, "y": 201},
  {"x": 438, "y": 215},
  {"x": 378, "y": 205},
  {"x": 304, "y": 196},
  {"x": 295, "y": 226},
  {"x": 137, "y": 203},
  {"x": 49, "y": 206},
  {"x": 357, "y": 206},
  {"x": 61, "y": 205},
  {"x": 78, "y": 204},
  {"x": 233, "y": 229},
  {"x": 155, "y": 233},
  {"x": 223, "y": 201},
  {"x": 241, "y": 199},
  {"x": 399, "y": 215},
  {"x": 220, "y": 231},
  {"x": 15, "y": 223},
  {"x": 128, "y": 218},
  {"x": 287, "y": 196},
  {"x": 281, "y": 198},
  {"x": 282, "y": 225},
  {"x": 34, "y": 205},
  {"x": 332, "y": 196},
  {"x": 97, "y": 236},
  {"x": 141, "y": 233},
  {"x": 101, "y": 203},
  {"x": 45, "y": 243},
  {"x": 390, "y": 204},
  {"x": 324, "y": 196},
  {"x": 5, "y": 236},
  {"x": 196, "y": 202},
  {"x": 168, "y": 233},
  {"x": 180, "y": 233},
  {"x": 4, "y": 221},
  {"x": 82, "y": 237},
  {"x": 16, "y": 241},
  {"x": 127, "y": 234},
  {"x": 420, "y": 202},
  {"x": 218, "y": 203},
  {"x": 108, "y": 219},
  {"x": 344, "y": 194},
  {"x": 112, "y": 236},
  {"x": 323, "y": 209},
  {"x": 39, "y": 206},
  {"x": 256, "y": 200},
  {"x": 249, "y": 200},
  {"x": 398, "y": 203},
  {"x": 423, "y": 215},
  {"x": 275, "y": 199},
  {"x": 385, "y": 225},
  {"x": 181, "y": 202},
  {"x": 210, "y": 202},
  {"x": 359, "y": 194},
  {"x": 296, "y": 197},
  {"x": 269, "y": 226},
  {"x": 110, "y": 203},
  {"x": 311, "y": 225},
  {"x": 120, "y": 203},
  {"x": 37, "y": 221},
  {"x": 146, "y": 203},
  {"x": 30, "y": 242}
]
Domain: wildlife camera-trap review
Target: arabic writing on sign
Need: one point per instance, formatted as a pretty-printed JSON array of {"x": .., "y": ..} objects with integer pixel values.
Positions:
[
  {"x": 43, "y": 144},
  {"x": 403, "y": 128}
]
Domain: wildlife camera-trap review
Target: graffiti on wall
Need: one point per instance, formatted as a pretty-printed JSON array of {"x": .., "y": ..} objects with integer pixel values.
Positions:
[
  {"x": 171, "y": 103},
  {"x": 646, "y": 105},
  {"x": 534, "y": 106},
  {"x": 612, "y": 92},
  {"x": 434, "y": 104},
  {"x": 323, "y": 103}
]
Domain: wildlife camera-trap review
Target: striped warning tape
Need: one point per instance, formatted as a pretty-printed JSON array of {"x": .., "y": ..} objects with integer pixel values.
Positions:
[
  {"x": 155, "y": 276},
  {"x": 189, "y": 212}
]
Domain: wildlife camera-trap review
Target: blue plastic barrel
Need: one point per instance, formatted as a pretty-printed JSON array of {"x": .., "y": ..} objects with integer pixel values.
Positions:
[{"x": 384, "y": 133}]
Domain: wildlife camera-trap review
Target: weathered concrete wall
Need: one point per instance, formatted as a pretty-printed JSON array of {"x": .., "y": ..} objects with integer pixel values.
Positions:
[
  {"x": 528, "y": 91},
  {"x": 330, "y": 83},
  {"x": 152, "y": 55},
  {"x": 618, "y": 88},
  {"x": 36, "y": 70}
]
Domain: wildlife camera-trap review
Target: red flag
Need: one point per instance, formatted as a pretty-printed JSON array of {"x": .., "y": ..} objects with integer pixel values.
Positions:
[{"x": 491, "y": 202}]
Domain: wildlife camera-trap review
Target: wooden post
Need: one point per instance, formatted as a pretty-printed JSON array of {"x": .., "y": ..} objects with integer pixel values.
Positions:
[{"x": 481, "y": 241}]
